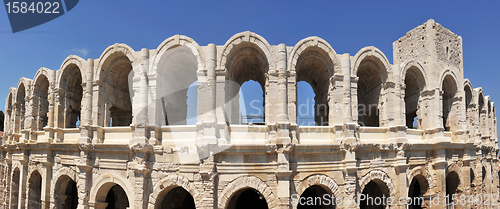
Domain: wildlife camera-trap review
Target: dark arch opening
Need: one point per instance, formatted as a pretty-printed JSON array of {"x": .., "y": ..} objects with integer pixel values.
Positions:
[
  {"x": 42, "y": 103},
  {"x": 14, "y": 200},
  {"x": 73, "y": 92},
  {"x": 21, "y": 94},
  {"x": 452, "y": 182},
  {"x": 176, "y": 198},
  {"x": 247, "y": 199},
  {"x": 414, "y": 82},
  {"x": 484, "y": 174},
  {"x": 369, "y": 89},
  {"x": 246, "y": 62},
  {"x": 118, "y": 105},
  {"x": 117, "y": 198},
  {"x": 35, "y": 191},
  {"x": 67, "y": 193},
  {"x": 375, "y": 193},
  {"x": 314, "y": 66},
  {"x": 449, "y": 91},
  {"x": 312, "y": 198},
  {"x": 418, "y": 187},
  {"x": 468, "y": 97}
]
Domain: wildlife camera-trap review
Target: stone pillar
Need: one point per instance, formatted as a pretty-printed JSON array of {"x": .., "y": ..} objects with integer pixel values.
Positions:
[
  {"x": 141, "y": 174},
  {"x": 350, "y": 101},
  {"x": 86, "y": 110},
  {"x": 142, "y": 109},
  {"x": 223, "y": 119},
  {"x": 282, "y": 124},
  {"x": 439, "y": 167},
  {"x": 84, "y": 164},
  {"x": 23, "y": 180},
  {"x": 283, "y": 174},
  {"x": 209, "y": 179},
  {"x": 46, "y": 181},
  {"x": 206, "y": 120},
  {"x": 350, "y": 186}
]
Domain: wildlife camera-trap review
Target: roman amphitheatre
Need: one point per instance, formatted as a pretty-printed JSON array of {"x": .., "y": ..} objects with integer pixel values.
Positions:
[{"x": 118, "y": 131}]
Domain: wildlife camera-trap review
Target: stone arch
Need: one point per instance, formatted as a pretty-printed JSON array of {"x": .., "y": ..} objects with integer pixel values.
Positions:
[
  {"x": 322, "y": 180},
  {"x": 15, "y": 181},
  {"x": 9, "y": 115},
  {"x": 69, "y": 83},
  {"x": 41, "y": 87},
  {"x": 372, "y": 69},
  {"x": 175, "y": 41},
  {"x": 105, "y": 182},
  {"x": 246, "y": 56},
  {"x": 243, "y": 182},
  {"x": 414, "y": 79},
  {"x": 22, "y": 92},
  {"x": 34, "y": 189},
  {"x": 424, "y": 172},
  {"x": 68, "y": 66},
  {"x": 176, "y": 63},
  {"x": 454, "y": 180},
  {"x": 115, "y": 71},
  {"x": 246, "y": 37},
  {"x": 371, "y": 52},
  {"x": 380, "y": 176},
  {"x": 321, "y": 62},
  {"x": 450, "y": 100},
  {"x": 168, "y": 183},
  {"x": 59, "y": 185}
]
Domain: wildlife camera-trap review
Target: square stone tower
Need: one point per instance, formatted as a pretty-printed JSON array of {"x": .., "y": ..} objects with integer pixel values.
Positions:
[{"x": 437, "y": 53}]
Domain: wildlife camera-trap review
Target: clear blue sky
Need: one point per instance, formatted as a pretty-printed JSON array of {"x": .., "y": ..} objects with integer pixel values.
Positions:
[{"x": 347, "y": 25}]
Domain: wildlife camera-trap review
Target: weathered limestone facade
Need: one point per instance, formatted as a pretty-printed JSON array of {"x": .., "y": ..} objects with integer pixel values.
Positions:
[{"x": 111, "y": 132}]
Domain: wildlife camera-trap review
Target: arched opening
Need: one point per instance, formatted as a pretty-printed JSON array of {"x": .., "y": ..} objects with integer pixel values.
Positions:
[
  {"x": 176, "y": 198},
  {"x": 416, "y": 192},
  {"x": 375, "y": 192},
  {"x": 71, "y": 83},
  {"x": 484, "y": 174},
  {"x": 452, "y": 183},
  {"x": 449, "y": 89},
  {"x": 315, "y": 67},
  {"x": 250, "y": 103},
  {"x": 370, "y": 81},
  {"x": 35, "y": 191},
  {"x": 468, "y": 111},
  {"x": 472, "y": 183},
  {"x": 177, "y": 95},
  {"x": 115, "y": 74},
  {"x": 482, "y": 114},
  {"x": 192, "y": 104},
  {"x": 41, "y": 107},
  {"x": 14, "y": 194},
  {"x": 246, "y": 62},
  {"x": 468, "y": 97},
  {"x": 313, "y": 198},
  {"x": 305, "y": 104},
  {"x": 8, "y": 118},
  {"x": 66, "y": 194},
  {"x": 414, "y": 85},
  {"x": 248, "y": 198},
  {"x": 21, "y": 108},
  {"x": 116, "y": 198}
]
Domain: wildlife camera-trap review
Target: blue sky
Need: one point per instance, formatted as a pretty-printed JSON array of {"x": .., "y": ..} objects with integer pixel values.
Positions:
[{"x": 347, "y": 25}]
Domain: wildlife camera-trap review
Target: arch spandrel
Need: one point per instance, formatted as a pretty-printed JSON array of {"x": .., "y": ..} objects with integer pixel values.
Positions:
[
  {"x": 175, "y": 41},
  {"x": 244, "y": 182},
  {"x": 240, "y": 39},
  {"x": 48, "y": 73}
]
